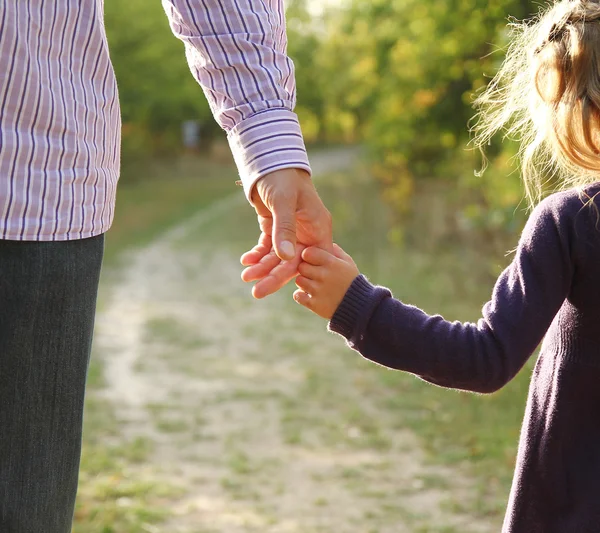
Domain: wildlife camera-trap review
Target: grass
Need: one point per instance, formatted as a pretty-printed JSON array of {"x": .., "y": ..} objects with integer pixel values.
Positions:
[
  {"x": 474, "y": 433},
  {"x": 162, "y": 194},
  {"x": 109, "y": 500},
  {"x": 455, "y": 281},
  {"x": 453, "y": 277}
]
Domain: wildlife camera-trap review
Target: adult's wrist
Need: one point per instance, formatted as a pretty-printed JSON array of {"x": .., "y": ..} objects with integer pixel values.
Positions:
[
  {"x": 289, "y": 177},
  {"x": 265, "y": 143}
]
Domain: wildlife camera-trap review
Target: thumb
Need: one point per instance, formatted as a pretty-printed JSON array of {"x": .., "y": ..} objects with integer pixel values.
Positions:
[
  {"x": 284, "y": 226},
  {"x": 340, "y": 254}
]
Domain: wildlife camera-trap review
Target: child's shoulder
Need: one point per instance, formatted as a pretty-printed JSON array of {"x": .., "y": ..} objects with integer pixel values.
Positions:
[
  {"x": 573, "y": 214},
  {"x": 566, "y": 213},
  {"x": 569, "y": 203}
]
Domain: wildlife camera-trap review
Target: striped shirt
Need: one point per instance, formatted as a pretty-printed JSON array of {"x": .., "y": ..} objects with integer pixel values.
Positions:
[{"x": 59, "y": 112}]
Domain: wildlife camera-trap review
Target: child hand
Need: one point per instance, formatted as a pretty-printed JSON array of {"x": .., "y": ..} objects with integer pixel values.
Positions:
[{"x": 324, "y": 279}]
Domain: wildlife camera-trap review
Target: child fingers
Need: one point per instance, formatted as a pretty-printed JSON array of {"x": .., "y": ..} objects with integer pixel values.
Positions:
[
  {"x": 307, "y": 285},
  {"x": 310, "y": 271},
  {"x": 339, "y": 252},
  {"x": 316, "y": 256},
  {"x": 303, "y": 299}
]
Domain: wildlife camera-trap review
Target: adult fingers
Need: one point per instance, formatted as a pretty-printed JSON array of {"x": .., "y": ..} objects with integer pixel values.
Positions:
[
  {"x": 265, "y": 223},
  {"x": 263, "y": 247},
  {"x": 278, "y": 277},
  {"x": 284, "y": 225},
  {"x": 261, "y": 269}
]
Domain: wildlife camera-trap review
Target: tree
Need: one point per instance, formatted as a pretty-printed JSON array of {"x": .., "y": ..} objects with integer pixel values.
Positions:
[{"x": 157, "y": 90}]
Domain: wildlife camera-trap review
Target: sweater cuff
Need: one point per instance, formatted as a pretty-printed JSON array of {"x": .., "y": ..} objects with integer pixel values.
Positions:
[
  {"x": 266, "y": 142},
  {"x": 357, "y": 300}
]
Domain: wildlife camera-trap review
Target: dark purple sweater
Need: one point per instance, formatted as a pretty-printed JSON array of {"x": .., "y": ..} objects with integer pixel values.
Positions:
[{"x": 552, "y": 291}]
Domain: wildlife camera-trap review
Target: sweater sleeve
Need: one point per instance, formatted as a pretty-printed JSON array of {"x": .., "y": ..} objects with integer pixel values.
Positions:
[{"x": 479, "y": 357}]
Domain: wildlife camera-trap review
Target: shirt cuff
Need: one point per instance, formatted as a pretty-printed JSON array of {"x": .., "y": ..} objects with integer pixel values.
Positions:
[{"x": 266, "y": 142}]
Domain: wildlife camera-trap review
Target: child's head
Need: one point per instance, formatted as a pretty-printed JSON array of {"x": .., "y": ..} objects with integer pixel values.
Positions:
[{"x": 547, "y": 96}]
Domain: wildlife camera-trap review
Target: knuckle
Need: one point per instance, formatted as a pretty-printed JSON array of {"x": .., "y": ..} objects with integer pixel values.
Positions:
[
  {"x": 324, "y": 216},
  {"x": 286, "y": 225}
]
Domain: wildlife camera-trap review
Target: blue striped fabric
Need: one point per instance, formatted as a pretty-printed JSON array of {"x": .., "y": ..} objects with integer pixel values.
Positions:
[{"x": 59, "y": 112}]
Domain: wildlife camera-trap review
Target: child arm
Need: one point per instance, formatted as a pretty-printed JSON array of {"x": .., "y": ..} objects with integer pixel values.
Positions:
[{"x": 479, "y": 357}]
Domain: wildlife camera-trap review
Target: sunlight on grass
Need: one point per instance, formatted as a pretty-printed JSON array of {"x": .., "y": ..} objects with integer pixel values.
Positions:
[
  {"x": 480, "y": 432},
  {"x": 109, "y": 501},
  {"x": 163, "y": 194},
  {"x": 326, "y": 409}
]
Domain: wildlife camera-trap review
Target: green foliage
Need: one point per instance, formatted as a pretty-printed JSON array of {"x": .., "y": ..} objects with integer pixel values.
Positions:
[
  {"x": 401, "y": 76},
  {"x": 156, "y": 88},
  {"x": 398, "y": 75}
]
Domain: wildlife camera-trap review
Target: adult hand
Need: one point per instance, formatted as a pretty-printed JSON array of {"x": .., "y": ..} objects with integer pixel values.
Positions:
[{"x": 291, "y": 217}]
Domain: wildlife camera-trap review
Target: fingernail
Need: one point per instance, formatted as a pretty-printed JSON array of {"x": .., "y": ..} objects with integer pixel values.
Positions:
[{"x": 287, "y": 248}]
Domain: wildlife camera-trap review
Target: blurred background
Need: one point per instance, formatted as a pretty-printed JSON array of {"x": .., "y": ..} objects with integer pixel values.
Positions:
[{"x": 209, "y": 412}]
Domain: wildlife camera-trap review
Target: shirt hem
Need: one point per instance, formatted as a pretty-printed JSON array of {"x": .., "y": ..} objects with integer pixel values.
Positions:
[{"x": 8, "y": 235}]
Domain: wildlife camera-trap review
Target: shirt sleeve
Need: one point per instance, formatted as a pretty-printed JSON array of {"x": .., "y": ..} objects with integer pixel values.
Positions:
[
  {"x": 479, "y": 357},
  {"x": 236, "y": 50}
]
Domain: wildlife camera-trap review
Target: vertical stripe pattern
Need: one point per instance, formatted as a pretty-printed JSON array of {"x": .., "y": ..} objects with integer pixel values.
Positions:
[
  {"x": 59, "y": 113},
  {"x": 57, "y": 90},
  {"x": 237, "y": 52}
]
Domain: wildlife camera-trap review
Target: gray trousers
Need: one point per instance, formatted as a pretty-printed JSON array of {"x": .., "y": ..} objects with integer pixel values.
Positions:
[{"x": 47, "y": 304}]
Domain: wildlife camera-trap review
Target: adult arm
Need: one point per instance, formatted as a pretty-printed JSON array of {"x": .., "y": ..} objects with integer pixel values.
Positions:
[{"x": 236, "y": 50}]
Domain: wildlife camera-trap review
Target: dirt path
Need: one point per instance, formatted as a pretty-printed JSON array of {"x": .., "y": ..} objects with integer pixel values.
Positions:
[{"x": 261, "y": 420}]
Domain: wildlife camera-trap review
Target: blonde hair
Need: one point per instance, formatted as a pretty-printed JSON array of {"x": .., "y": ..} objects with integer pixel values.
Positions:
[{"x": 546, "y": 95}]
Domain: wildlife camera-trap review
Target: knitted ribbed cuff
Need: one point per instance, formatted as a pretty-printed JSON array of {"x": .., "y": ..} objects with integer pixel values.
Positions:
[
  {"x": 355, "y": 303},
  {"x": 266, "y": 142}
]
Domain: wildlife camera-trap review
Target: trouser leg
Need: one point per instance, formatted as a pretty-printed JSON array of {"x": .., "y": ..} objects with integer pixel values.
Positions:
[{"x": 47, "y": 306}]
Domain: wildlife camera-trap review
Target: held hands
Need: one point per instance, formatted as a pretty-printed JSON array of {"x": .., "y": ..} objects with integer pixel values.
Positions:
[
  {"x": 291, "y": 217},
  {"x": 324, "y": 279},
  {"x": 296, "y": 238}
]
